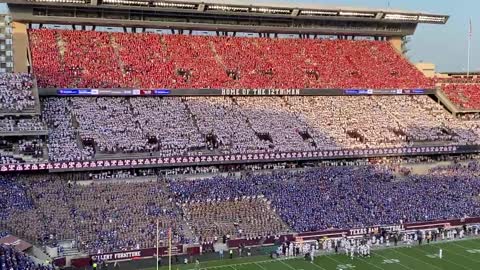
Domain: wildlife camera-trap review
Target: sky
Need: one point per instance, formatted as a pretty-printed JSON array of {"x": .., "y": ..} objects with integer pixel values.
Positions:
[{"x": 443, "y": 45}]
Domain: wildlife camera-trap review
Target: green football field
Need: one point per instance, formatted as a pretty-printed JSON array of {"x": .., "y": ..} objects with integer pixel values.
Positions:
[{"x": 457, "y": 255}]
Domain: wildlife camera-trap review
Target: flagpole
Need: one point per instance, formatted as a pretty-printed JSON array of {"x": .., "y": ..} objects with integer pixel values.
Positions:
[
  {"x": 468, "y": 60},
  {"x": 469, "y": 47},
  {"x": 157, "y": 243},
  {"x": 170, "y": 249}
]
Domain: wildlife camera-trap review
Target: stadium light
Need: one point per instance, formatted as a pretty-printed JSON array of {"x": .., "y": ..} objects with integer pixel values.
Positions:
[
  {"x": 356, "y": 14},
  {"x": 126, "y": 2},
  {"x": 423, "y": 18},
  {"x": 318, "y": 12},
  {"x": 173, "y": 5},
  {"x": 60, "y": 1},
  {"x": 270, "y": 10},
  {"x": 400, "y": 17},
  {"x": 228, "y": 8}
]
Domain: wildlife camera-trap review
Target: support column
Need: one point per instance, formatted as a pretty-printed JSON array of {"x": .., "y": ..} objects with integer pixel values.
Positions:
[
  {"x": 21, "y": 50},
  {"x": 396, "y": 43}
]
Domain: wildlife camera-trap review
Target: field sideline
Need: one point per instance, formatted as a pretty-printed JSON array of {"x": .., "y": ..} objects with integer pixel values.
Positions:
[{"x": 457, "y": 255}]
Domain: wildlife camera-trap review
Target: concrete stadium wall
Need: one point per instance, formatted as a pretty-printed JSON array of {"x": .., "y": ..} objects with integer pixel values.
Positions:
[
  {"x": 396, "y": 43},
  {"x": 21, "y": 50}
]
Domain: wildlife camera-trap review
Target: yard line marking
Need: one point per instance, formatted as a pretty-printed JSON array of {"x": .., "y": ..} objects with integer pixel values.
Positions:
[
  {"x": 404, "y": 266},
  {"x": 464, "y": 267},
  {"x": 233, "y": 267},
  {"x": 404, "y": 254},
  {"x": 288, "y": 265},
  {"x": 369, "y": 263},
  {"x": 464, "y": 247},
  {"x": 263, "y": 268},
  {"x": 458, "y": 254},
  {"x": 336, "y": 261},
  {"x": 318, "y": 266}
]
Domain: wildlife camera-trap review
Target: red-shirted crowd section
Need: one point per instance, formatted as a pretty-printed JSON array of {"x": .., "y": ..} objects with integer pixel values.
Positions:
[
  {"x": 65, "y": 58},
  {"x": 464, "y": 95}
]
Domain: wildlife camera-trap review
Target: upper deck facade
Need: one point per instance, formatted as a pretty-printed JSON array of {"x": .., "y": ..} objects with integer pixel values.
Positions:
[{"x": 221, "y": 16}]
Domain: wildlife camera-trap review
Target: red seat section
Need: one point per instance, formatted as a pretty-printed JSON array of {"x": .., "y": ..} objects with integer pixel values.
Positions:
[
  {"x": 65, "y": 58},
  {"x": 465, "y": 96}
]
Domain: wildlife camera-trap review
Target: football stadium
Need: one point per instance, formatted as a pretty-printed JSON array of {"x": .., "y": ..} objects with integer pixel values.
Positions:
[{"x": 150, "y": 134}]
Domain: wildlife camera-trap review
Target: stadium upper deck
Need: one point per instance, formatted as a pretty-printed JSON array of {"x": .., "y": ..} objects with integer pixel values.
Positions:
[
  {"x": 65, "y": 58},
  {"x": 222, "y": 16}
]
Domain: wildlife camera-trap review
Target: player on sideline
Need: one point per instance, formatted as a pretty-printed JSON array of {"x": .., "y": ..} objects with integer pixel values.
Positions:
[
  {"x": 347, "y": 247},
  {"x": 312, "y": 254},
  {"x": 409, "y": 241},
  {"x": 440, "y": 253},
  {"x": 352, "y": 251}
]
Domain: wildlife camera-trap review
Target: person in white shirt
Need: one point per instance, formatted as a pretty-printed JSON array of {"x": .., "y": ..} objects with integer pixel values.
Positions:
[{"x": 312, "y": 254}]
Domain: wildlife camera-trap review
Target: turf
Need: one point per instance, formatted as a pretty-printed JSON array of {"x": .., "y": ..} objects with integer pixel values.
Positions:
[{"x": 457, "y": 255}]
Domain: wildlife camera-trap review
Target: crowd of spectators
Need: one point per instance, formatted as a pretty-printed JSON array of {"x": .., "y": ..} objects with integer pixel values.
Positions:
[
  {"x": 8, "y": 159},
  {"x": 66, "y": 58},
  {"x": 247, "y": 217},
  {"x": 119, "y": 174},
  {"x": 347, "y": 197},
  {"x": 11, "y": 259},
  {"x": 62, "y": 139},
  {"x": 81, "y": 128},
  {"x": 109, "y": 216},
  {"x": 13, "y": 198},
  {"x": 21, "y": 150},
  {"x": 136, "y": 125},
  {"x": 19, "y": 124},
  {"x": 99, "y": 217},
  {"x": 31, "y": 147},
  {"x": 466, "y": 96},
  {"x": 461, "y": 79},
  {"x": 16, "y": 92}
]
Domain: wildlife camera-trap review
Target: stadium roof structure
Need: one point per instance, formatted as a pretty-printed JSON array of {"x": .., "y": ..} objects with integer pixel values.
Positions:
[
  {"x": 229, "y": 16},
  {"x": 461, "y": 73}
]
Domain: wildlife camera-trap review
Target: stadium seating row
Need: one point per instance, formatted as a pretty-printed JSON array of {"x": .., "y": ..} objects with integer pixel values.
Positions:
[
  {"x": 104, "y": 217},
  {"x": 13, "y": 260},
  {"x": 83, "y": 128},
  {"x": 21, "y": 124},
  {"x": 465, "y": 96},
  {"x": 89, "y": 59},
  {"x": 16, "y": 92}
]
